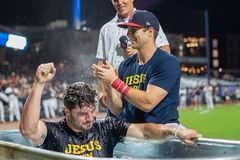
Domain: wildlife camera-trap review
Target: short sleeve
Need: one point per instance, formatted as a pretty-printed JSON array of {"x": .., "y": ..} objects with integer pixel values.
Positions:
[
  {"x": 166, "y": 75},
  {"x": 161, "y": 38},
  {"x": 117, "y": 127},
  {"x": 101, "y": 54}
]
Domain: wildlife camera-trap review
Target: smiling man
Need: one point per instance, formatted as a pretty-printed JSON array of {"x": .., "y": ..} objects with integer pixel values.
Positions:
[
  {"x": 147, "y": 84},
  {"x": 109, "y": 47},
  {"x": 79, "y": 133}
]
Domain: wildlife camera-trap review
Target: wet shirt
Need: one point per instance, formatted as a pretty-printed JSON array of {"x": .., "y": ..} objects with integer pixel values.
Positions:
[
  {"x": 163, "y": 71},
  {"x": 99, "y": 141}
]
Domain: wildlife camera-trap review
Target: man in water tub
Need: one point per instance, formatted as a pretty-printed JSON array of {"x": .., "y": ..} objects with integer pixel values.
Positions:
[{"x": 79, "y": 132}]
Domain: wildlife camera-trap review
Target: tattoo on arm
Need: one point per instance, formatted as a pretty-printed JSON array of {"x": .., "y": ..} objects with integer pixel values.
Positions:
[{"x": 43, "y": 136}]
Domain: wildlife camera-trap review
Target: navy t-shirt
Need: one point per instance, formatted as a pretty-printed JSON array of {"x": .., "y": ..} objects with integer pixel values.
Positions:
[
  {"x": 162, "y": 70},
  {"x": 99, "y": 141}
]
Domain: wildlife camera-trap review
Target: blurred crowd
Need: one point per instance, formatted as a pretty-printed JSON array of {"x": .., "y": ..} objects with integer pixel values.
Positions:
[
  {"x": 14, "y": 89},
  {"x": 209, "y": 95}
]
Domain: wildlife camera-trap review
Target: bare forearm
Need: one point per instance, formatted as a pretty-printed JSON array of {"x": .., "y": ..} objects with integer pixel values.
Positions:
[
  {"x": 31, "y": 111},
  {"x": 145, "y": 100},
  {"x": 153, "y": 131},
  {"x": 161, "y": 131},
  {"x": 30, "y": 125},
  {"x": 101, "y": 86},
  {"x": 150, "y": 131},
  {"x": 114, "y": 100},
  {"x": 139, "y": 99}
]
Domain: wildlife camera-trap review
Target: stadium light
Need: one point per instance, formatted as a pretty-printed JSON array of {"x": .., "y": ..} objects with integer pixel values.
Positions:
[
  {"x": 13, "y": 41},
  {"x": 76, "y": 14}
]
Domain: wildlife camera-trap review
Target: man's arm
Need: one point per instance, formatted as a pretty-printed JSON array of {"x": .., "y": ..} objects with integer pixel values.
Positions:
[
  {"x": 146, "y": 100},
  {"x": 110, "y": 98},
  {"x": 143, "y": 100},
  {"x": 31, "y": 126},
  {"x": 160, "y": 131},
  {"x": 102, "y": 92},
  {"x": 114, "y": 100}
]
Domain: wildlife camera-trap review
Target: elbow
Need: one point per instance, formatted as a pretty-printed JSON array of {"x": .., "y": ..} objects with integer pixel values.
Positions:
[
  {"x": 149, "y": 104},
  {"x": 147, "y": 107},
  {"x": 26, "y": 131}
]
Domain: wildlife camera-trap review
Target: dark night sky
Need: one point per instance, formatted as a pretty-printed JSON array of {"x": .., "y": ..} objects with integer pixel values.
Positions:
[{"x": 174, "y": 15}]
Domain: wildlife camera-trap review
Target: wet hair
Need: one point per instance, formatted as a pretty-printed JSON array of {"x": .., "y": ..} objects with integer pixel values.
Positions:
[{"x": 80, "y": 94}]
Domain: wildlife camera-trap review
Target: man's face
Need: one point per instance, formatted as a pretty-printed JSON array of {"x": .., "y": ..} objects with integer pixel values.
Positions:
[
  {"x": 123, "y": 7},
  {"x": 137, "y": 36},
  {"x": 81, "y": 119}
]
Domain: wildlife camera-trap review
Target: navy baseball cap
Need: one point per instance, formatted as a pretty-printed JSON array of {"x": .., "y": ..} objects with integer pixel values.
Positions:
[{"x": 141, "y": 19}]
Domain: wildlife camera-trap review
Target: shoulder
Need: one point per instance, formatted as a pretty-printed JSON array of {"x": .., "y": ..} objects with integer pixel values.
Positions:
[
  {"x": 101, "y": 124},
  {"x": 54, "y": 125},
  {"x": 109, "y": 24},
  {"x": 130, "y": 60},
  {"x": 108, "y": 122},
  {"x": 163, "y": 61},
  {"x": 166, "y": 57},
  {"x": 104, "y": 120}
]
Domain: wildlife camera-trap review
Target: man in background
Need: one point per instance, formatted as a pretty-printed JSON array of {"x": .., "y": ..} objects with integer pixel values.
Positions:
[{"x": 109, "y": 47}]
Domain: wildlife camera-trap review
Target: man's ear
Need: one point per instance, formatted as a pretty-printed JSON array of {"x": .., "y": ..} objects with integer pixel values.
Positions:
[
  {"x": 65, "y": 110},
  {"x": 151, "y": 31}
]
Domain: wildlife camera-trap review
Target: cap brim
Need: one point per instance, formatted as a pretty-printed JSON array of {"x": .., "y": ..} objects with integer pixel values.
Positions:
[{"x": 129, "y": 24}]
